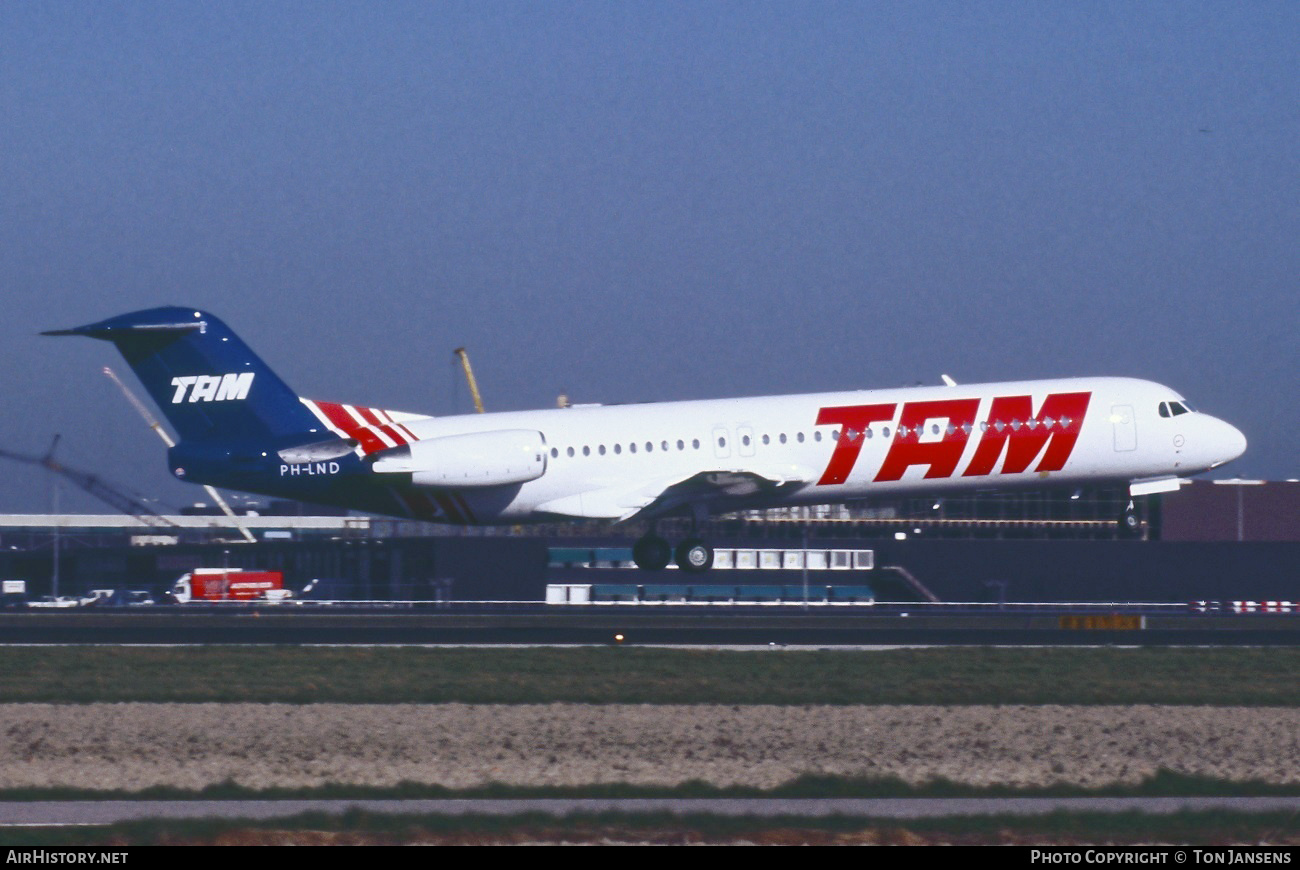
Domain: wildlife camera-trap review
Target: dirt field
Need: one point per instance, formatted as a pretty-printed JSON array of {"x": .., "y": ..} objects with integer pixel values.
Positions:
[{"x": 135, "y": 746}]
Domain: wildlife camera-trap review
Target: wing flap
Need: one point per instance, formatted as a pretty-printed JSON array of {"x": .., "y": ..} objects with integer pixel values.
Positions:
[{"x": 657, "y": 497}]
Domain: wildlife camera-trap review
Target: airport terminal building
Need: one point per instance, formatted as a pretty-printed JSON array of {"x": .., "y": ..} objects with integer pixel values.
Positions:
[{"x": 1214, "y": 540}]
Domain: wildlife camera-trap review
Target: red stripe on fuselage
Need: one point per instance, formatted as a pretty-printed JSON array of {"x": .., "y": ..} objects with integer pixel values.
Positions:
[
  {"x": 372, "y": 416},
  {"x": 388, "y": 420},
  {"x": 338, "y": 415}
]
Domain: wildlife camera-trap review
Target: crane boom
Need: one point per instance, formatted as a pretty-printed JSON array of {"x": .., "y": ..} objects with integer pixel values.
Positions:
[
  {"x": 469, "y": 376},
  {"x": 94, "y": 485},
  {"x": 167, "y": 439}
]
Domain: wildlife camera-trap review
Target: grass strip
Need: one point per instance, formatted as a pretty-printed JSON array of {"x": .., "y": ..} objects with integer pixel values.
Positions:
[
  {"x": 1162, "y": 784},
  {"x": 377, "y": 675}
]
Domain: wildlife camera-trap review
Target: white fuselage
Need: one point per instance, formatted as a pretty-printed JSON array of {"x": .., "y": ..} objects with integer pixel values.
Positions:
[{"x": 608, "y": 461}]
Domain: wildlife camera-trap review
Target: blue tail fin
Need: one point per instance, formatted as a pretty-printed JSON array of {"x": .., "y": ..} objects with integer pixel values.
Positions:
[{"x": 205, "y": 379}]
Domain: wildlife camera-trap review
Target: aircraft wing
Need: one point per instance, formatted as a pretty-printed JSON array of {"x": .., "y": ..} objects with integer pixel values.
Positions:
[{"x": 658, "y": 497}]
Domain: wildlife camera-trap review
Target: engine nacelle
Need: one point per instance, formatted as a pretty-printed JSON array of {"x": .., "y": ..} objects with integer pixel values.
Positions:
[{"x": 478, "y": 459}]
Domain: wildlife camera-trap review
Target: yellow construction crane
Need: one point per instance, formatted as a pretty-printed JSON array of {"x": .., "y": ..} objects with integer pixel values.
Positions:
[{"x": 469, "y": 376}]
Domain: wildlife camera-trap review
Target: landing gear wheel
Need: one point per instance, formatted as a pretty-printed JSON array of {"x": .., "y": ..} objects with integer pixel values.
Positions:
[
  {"x": 694, "y": 555},
  {"x": 652, "y": 553},
  {"x": 1130, "y": 524}
]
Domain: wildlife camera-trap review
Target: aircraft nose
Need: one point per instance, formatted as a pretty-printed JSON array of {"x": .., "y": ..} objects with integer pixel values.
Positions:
[
  {"x": 1235, "y": 441},
  {"x": 1230, "y": 442}
]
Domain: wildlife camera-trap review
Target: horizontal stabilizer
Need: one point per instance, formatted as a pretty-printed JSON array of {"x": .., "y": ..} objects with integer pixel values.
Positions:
[{"x": 110, "y": 330}]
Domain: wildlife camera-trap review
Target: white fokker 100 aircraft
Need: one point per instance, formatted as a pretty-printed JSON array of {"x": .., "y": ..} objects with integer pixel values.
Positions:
[{"x": 242, "y": 428}]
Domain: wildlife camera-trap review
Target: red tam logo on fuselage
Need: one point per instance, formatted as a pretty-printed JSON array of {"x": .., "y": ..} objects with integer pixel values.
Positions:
[{"x": 1012, "y": 429}]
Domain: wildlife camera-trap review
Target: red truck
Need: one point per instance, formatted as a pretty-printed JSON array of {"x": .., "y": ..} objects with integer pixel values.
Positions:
[{"x": 233, "y": 584}]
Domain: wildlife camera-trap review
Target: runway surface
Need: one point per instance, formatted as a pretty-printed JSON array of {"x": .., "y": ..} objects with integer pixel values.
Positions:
[{"x": 497, "y": 624}]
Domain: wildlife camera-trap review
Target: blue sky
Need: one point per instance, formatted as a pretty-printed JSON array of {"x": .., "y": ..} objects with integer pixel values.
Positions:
[{"x": 649, "y": 201}]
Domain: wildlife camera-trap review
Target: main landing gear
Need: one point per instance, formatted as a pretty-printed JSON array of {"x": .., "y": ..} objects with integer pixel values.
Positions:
[
  {"x": 1130, "y": 524},
  {"x": 652, "y": 553}
]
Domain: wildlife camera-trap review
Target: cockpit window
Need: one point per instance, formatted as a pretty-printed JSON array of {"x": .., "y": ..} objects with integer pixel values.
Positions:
[{"x": 1177, "y": 408}]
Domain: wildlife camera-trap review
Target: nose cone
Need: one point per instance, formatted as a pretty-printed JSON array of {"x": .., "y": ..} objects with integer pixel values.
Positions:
[
  {"x": 1237, "y": 442},
  {"x": 1229, "y": 443}
]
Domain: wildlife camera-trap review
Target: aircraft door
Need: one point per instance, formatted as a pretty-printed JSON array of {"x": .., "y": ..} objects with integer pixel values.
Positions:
[
  {"x": 721, "y": 442},
  {"x": 1121, "y": 417}
]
